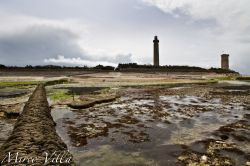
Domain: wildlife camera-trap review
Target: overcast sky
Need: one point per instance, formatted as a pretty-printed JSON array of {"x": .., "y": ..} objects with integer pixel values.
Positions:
[{"x": 89, "y": 32}]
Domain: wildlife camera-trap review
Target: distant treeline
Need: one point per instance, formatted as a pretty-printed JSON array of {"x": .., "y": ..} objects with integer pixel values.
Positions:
[
  {"x": 169, "y": 68},
  {"x": 129, "y": 67},
  {"x": 98, "y": 67}
]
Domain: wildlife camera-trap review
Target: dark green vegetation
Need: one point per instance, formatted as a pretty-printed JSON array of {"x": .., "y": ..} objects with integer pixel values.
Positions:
[
  {"x": 169, "y": 68},
  {"x": 123, "y": 67},
  {"x": 243, "y": 78}
]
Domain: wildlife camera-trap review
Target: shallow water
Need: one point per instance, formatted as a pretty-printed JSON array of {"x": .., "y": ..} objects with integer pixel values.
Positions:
[
  {"x": 144, "y": 129},
  {"x": 12, "y": 92},
  {"x": 6, "y": 127}
]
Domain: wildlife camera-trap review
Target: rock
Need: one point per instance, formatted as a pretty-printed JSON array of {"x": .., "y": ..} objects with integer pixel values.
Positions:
[
  {"x": 204, "y": 158},
  {"x": 2, "y": 114},
  {"x": 182, "y": 158},
  {"x": 90, "y": 101},
  {"x": 224, "y": 137},
  {"x": 135, "y": 154}
]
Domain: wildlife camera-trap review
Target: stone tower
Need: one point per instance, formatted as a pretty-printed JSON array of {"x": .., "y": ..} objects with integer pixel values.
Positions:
[
  {"x": 156, "y": 51},
  {"x": 225, "y": 61}
]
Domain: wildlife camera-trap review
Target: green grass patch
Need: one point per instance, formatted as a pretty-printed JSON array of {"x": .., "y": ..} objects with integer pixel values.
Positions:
[
  {"x": 18, "y": 83},
  {"x": 226, "y": 78},
  {"x": 4, "y": 84},
  {"x": 60, "y": 94}
]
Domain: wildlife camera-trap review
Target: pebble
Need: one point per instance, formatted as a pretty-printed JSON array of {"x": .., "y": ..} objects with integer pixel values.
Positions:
[{"x": 204, "y": 158}]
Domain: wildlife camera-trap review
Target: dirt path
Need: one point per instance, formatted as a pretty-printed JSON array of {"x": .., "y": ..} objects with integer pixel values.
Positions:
[{"x": 34, "y": 140}]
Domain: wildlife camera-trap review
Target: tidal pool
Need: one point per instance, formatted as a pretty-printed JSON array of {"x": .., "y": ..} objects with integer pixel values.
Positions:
[{"x": 144, "y": 128}]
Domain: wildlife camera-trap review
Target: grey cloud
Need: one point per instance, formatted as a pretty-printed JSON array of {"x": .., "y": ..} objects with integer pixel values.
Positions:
[
  {"x": 37, "y": 43},
  {"x": 61, "y": 60},
  {"x": 245, "y": 40},
  {"x": 121, "y": 58},
  {"x": 241, "y": 64},
  {"x": 129, "y": 26}
]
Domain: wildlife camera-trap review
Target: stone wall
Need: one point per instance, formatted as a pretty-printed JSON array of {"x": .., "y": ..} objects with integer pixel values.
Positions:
[{"x": 34, "y": 140}]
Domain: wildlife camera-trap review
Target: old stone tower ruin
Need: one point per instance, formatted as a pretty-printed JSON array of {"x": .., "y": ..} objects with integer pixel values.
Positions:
[
  {"x": 156, "y": 51},
  {"x": 225, "y": 61}
]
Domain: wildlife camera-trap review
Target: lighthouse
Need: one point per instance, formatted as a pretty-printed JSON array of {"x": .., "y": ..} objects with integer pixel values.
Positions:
[{"x": 156, "y": 51}]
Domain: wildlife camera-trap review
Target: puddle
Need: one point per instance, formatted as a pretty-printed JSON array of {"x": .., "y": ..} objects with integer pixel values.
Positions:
[
  {"x": 6, "y": 127},
  {"x": 106, "y": 156},
  {"x": 59, "y": 114},
  {"x": 189, "y": 100},
  {"x": 12, "y": 93}
]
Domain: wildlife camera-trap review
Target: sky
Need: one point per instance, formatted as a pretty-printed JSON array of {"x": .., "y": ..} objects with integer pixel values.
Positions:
[{"x": 108, "y": 32}]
